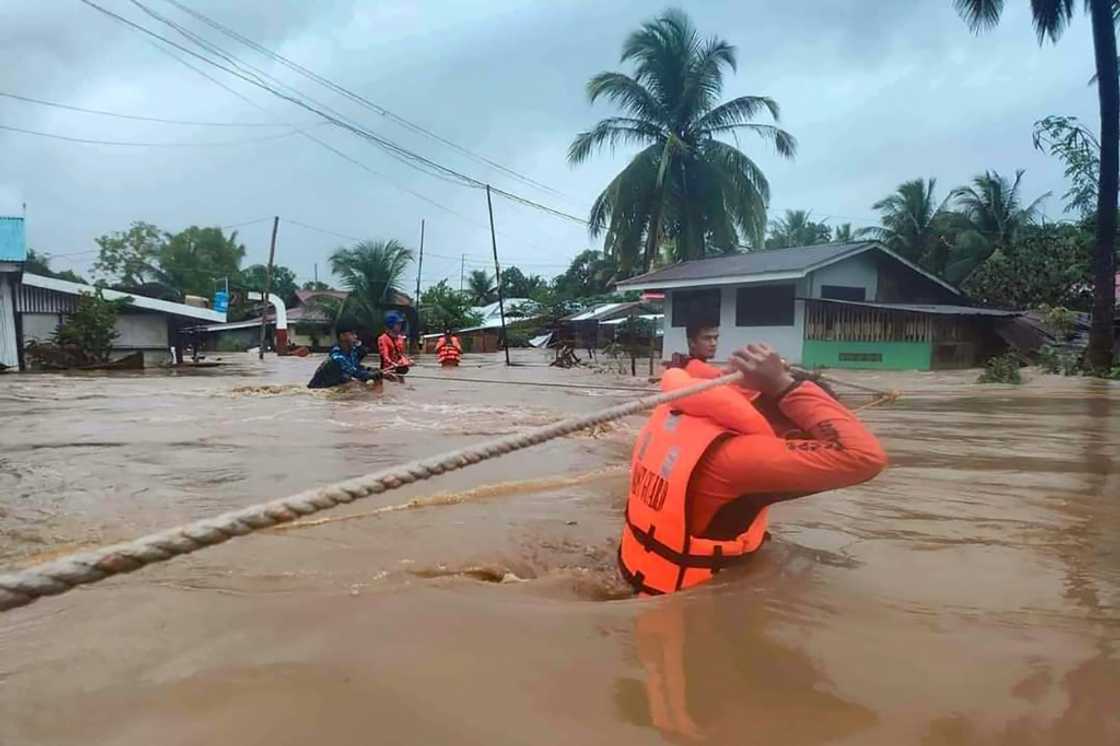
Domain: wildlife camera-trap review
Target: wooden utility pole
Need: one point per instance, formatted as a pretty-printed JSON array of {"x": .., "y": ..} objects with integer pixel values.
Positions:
[
  {"x": 462, "y": 270},
  {"x": 268, "y": 285},
  {"x": 419, "y": 269},
  {"x": 497, "y": 274}
]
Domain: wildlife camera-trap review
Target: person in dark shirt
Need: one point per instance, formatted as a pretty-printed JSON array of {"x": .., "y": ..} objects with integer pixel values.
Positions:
[{"x": 344, "y": 364}]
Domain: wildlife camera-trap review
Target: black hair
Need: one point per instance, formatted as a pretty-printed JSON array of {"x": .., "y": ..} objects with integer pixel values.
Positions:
[
  {"x": 693, "y": 328},
  {"x": 343, "y": 328}
]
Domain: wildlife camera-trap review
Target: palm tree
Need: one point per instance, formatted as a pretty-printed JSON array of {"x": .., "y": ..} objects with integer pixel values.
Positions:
[
  {"x": 480, "y": 286},
  {"x": 1050, "y": 20},
  {"x": 797, "y": 229},
  {"x": 686, "y": 186},
  {"x": 991, "y": 217},
  {"x": 911, "y": 221},
  {"x": 373, "y": 272},
  {"x": 843, "y": 233}
]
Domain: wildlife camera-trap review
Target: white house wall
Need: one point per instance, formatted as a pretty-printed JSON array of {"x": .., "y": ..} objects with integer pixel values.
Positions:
[
  {"x": 141, "y": 331},
  {"x": 859, "y": 272},
  {"x": 39, "y": 327},
  {"x": 786, "y": 340}
]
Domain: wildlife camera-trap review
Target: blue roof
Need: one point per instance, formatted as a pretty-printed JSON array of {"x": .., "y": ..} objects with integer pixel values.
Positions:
[{"x": 13, "y": 241}]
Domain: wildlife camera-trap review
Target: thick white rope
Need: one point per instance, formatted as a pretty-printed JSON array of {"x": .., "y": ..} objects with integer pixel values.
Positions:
[{"x": 22, "y": 587}]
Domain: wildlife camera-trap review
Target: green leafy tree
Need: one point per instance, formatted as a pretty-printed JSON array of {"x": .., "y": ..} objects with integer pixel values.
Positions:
[
  {"x": 131, "y": 258},
  {"x": 1047, "y": 265},
  {"x": 442, "y": 307},
  {"x": 88, "y": 333},
  {"x": 373, "y": 272},
  {"x": 196, "y": 260},
  {"x": 255, "y": 277},
  {"x": 315, "y": 285},
  {"x": 796, "y": 228},
  {"x": 993, "y": 216},
  {"x": 481, "y": 287},
  {"x": 40, "y": 264},
  {"x": 843, "y": 233},
  {"x": 913, "y": 224},
  {"x": 590, "y": 273},
  {"x": 686, "y": 184},
  {"x": 1051, "y": 18},
  {"x": 1078, "y": 148},
  {"x": 516, "y": 284}
]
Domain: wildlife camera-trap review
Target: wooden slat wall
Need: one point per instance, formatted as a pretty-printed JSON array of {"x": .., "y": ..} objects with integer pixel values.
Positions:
[{"x": 834, "y": 322}]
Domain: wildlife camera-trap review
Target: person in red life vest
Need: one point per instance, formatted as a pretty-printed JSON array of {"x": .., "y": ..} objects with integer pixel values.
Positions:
[
  {"x": 391, "y": 346},
  {"x": 705, "y": 470},
  {"x": 449, "y": 350}
]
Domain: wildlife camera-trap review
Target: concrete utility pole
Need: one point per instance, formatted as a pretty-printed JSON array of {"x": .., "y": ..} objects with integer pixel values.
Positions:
[
  {"x": 498, "y": 275},
  {"x": 268, "y": 285}
]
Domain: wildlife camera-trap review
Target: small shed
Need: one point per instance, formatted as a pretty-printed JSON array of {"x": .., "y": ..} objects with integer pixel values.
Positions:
[{"x": 147, "y": 325}]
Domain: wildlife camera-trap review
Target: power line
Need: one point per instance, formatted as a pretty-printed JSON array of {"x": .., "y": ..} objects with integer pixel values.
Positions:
[
  {"x": 136, "y": 117},
  {"x": 322, "y": 230},
  {"x": 406, "y": 156},
  {"x": 134, "y": 144},
  {"x": 357, "y": 97}
]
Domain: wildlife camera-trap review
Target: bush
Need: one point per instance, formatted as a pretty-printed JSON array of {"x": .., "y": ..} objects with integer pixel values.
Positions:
[
  {"x": 1053, "y": 359},
  {"x": 1002, "y": 369}
]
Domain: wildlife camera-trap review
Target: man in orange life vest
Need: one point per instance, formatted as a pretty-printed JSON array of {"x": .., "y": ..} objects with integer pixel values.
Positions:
[
  {"x": 705, "y": 469},
  {"x": 391, "y": 346},
  {"x": 703, "y": 340},
  {"x": 449, "y": 349}
]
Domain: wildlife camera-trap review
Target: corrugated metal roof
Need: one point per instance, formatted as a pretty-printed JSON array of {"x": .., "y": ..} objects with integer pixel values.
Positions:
[
  {"x": 13, "y": 240},
  {"x": 139, "y": 301},
  {"x": 604, "y": 311},
  {"x": 764, "y": 266},
  {"x": 798, "y": 259},
  {"x": 37, "y": 300},
  {"x": 943, "y": 310}
]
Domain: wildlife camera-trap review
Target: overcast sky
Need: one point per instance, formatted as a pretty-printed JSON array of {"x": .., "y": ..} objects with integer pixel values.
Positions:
[{"x": 875, "y": 92}]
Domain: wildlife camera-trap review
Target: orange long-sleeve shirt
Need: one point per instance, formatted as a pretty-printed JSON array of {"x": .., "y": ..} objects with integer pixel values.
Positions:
[{"x": 742, "y": 474}]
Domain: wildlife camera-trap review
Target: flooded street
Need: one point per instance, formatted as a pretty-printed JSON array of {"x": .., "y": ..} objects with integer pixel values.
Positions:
[{"x": 969, "y": 595}]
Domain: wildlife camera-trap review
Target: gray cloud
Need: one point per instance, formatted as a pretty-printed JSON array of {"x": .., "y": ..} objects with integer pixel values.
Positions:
[{"x": 875, "y": 92}]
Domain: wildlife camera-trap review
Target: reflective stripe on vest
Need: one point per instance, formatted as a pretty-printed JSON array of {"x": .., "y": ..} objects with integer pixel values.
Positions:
[
  {"x": 448, "y": 351},
  {"x": 658, "y": 551}
]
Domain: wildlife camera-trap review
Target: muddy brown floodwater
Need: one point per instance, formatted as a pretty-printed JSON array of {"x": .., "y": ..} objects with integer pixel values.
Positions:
[{"x": 970, "y": 595}]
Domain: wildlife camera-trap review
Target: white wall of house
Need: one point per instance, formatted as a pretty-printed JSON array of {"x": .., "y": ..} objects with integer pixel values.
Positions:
[
  {"x": 38, "y": 327},
  {"x": 140, "y": 331},
  {"x": 858, "y": 271},
  {"x": 785, "y": 339}
]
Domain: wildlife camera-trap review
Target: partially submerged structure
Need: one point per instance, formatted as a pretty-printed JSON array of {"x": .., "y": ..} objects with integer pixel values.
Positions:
[
  {"x": 13, "y": 254},
  {"x": 839, "y": 305},
  {"x": 149, "y": 326}
]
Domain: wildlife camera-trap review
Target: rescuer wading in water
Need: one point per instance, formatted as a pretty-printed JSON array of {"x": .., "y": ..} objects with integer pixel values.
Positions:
[{"x": 705, "y": 469}]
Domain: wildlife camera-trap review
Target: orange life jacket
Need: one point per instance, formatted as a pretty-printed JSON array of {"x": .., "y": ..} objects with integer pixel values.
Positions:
[
  {"x": 449, "y": 352},
  {"x": 658, "y": 554}
]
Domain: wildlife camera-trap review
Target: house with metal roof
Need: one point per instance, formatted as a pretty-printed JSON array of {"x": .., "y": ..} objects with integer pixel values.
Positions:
[
  {"x": 13, "y": 254},
  {"x": 147, "y": 325},
  {"x": 838, "y": 305}
]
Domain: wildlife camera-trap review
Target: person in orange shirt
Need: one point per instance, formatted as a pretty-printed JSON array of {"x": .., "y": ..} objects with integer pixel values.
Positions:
[
  {"x": 391, "y": 346},
  {"x": 706, "y": 468}
]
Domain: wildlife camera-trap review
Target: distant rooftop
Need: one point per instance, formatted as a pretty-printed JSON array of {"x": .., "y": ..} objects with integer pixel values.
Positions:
[{"x": 13, "y": 240}]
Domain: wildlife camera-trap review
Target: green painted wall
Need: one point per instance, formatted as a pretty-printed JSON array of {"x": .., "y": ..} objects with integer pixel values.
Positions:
[{"x": 894, "y": 355}]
